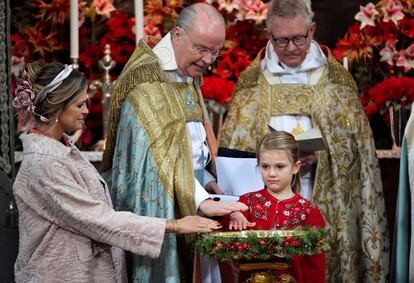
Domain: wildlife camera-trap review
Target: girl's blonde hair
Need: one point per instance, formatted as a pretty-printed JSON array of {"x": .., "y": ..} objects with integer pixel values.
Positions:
[{"x": 280, "y": 140}]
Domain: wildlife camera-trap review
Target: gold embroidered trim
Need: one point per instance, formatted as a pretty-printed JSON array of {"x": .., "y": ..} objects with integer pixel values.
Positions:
[
  {"x": 249, "y": 76},
  {"x": 189, "y": 101},
  {"x": 164, "y": 124},
  {"x": 141, "y": 67}
]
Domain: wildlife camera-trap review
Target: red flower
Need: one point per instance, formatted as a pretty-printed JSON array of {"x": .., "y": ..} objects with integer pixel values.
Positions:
[
  {"x": 233, "y": 62},
  {"x": 366, "y": 15},
  {"x": 392, "y": 11},
  {"x": 151, "y": 29},
  {"x": 381, "y": 54},
  {"x": 39, "y": 41},
  {"x": 388, "y": 32},
  {"x": 407, "y": 27},
  {"x": 355, "y": 46},
  {"x": 103, "y": 7},
  {"x": 406, "y": 59},
  {"x": 219, "y": 89},
  {"x": 90, "y": 55},
  {"x": 370, "y": 110},
  {"x": 393, "y": 89},
  {"x": 56, "y": 12},
  {"x": 120, "y": 27}
]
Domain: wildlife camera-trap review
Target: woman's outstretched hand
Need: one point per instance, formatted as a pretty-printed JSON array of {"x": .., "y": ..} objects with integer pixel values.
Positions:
[{"x": 191, "y": 224}]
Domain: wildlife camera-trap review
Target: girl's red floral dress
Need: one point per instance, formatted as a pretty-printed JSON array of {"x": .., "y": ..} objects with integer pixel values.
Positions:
[{"x": 269, "y": 213}]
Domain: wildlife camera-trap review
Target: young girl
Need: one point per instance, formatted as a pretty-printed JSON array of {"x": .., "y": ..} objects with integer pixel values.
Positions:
[{"x": 279, "y": 205}]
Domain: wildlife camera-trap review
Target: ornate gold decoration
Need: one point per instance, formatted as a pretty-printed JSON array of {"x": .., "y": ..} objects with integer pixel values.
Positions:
[
  {"x": 269, "y": 277},
  {"x": 141, "y": 67},
  {"x": 296, "y": 131},
  {"x": 259, "y": 233},
  {"x": 262, "y": 277}
]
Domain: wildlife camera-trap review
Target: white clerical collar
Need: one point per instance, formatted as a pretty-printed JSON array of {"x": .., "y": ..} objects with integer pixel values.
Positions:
[
  {"x": 165, "y": 53},
  {"x": 313, "y": 60}
]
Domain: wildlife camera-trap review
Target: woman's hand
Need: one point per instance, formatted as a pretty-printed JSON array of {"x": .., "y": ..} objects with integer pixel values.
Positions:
[
  {"x": 239, "y": 222},
  {"x": 191, "y": 224}
]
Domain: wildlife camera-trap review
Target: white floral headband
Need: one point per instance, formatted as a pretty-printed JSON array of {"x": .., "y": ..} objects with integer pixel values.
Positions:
[{"x": 25, "y": 98}]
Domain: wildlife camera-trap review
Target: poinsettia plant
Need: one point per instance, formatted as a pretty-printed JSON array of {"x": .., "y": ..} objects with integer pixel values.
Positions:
[
  {"x": 245, "y": 21},
  {"x": 380, "y": 51}
]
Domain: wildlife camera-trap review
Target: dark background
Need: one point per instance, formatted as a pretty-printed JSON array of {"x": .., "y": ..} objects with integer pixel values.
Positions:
[{"x": 333, "y": 17}]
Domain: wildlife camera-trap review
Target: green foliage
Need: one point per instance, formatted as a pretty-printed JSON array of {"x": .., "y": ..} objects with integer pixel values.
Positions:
[{"x": 249, "y": 245}]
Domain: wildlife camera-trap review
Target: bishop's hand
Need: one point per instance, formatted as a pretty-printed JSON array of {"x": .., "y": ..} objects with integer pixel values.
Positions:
[{"x": 211, "y": 208}]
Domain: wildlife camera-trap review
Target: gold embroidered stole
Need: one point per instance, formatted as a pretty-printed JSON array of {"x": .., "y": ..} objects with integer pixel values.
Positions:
[
  {"x": 160, "y": 112},
  {"x": 189, "y": 101}
]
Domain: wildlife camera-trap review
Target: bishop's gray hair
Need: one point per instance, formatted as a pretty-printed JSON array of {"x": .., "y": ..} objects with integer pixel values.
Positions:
[
  {"x": 289, "y": 9},
  {"x": 188, "y": 15}
]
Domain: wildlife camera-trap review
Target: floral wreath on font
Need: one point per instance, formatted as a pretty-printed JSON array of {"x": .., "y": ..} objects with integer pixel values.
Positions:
[{"x": 262, "y": 245}]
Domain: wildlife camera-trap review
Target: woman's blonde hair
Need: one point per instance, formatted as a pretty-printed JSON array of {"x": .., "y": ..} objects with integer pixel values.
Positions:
[
  {"x": 41, "y": 74},
  {"x": 280, "y": 140}
]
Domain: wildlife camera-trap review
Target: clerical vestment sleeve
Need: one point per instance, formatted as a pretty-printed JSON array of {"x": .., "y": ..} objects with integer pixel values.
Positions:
[{"x": 200, "y": 193}]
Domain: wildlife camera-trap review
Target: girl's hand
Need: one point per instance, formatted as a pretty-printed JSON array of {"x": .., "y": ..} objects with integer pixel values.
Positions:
[{"x": 239, "y": 222}]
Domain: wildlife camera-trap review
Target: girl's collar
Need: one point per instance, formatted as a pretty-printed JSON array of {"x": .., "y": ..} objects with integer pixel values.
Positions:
[{"x": 291, "y": 199}]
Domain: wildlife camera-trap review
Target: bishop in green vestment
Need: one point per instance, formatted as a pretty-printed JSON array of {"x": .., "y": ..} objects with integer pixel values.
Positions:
[{"x": 160, "y": 138}]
